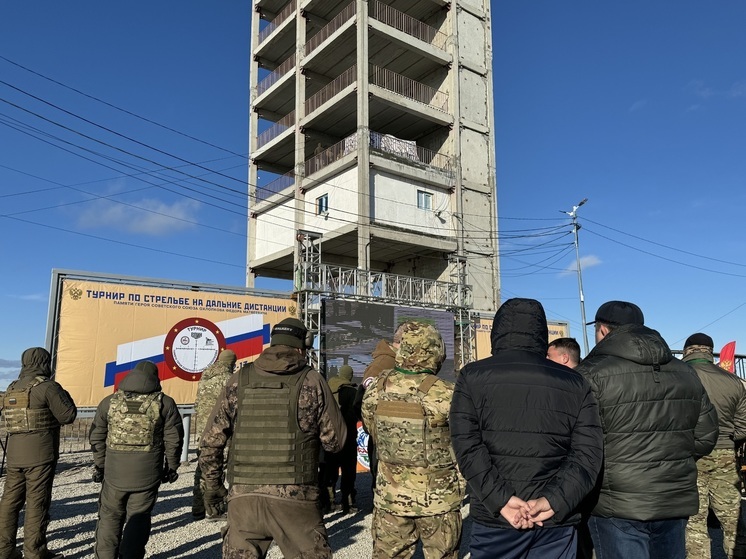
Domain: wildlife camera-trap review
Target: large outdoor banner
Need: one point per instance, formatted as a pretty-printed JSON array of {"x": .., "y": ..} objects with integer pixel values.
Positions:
[
  {"x": 484, "y": 331},
  {"x": 105, "y": 329}
]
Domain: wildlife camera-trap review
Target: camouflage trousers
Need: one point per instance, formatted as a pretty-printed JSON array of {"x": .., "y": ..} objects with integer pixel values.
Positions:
[
  {"x": 717, "y": 485},
  {"x": 396, "y": 536}
]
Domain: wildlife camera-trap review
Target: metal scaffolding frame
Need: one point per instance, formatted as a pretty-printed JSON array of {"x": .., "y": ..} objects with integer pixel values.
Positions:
[{"x": 315, "y": 281}]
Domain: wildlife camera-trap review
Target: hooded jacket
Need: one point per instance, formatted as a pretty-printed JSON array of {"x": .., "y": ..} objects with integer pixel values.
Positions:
[
  {"x": 657, "y": 421},
  {"x": 384, "y": 357},
  {"x": 523, "y": 425},
  {"x": 138, "y": 471},
  {"x": 727, "y": 394},
  {"x": 26, "y": 450}
]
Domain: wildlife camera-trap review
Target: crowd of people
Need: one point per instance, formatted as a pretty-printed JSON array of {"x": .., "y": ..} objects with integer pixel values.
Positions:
[{"x": 619, "y": 455}]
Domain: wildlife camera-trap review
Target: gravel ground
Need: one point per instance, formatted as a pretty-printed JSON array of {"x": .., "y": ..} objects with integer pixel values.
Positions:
[{"x": 174, "y": 533}]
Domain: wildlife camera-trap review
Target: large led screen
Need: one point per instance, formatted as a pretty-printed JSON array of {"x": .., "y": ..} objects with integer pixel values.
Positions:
[{"x": 350, "y": 331}]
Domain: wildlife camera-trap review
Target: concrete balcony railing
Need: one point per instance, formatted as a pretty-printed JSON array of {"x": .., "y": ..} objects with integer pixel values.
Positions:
[
  {"x": 288, "y": 121},
  {"x": 330, "y": 155},
  {"x": 407, "y": 24},
  {"x": 409, "y": 88},
  {"x": 404, "y": 150},
  {"x": 286, "y": 12},
  {"x": 272, "y": 78},
  {"x": 409, "y": 150},
  {"x": 345, "y": 79},
  {"x": 347, "y": 13},
  {"x": 278, "y": 185}
]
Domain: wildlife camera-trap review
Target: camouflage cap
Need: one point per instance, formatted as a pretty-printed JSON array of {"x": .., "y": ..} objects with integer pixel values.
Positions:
[{"x": 422, "y": 348}]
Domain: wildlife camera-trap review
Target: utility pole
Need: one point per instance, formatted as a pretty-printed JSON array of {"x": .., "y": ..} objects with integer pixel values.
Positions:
[{"x": 576, "y": 226}]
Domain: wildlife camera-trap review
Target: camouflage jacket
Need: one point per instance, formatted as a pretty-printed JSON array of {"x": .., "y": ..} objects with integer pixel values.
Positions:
[
  {"x": 410, "y": 490},
  {"x": 317, "y": 413},
  {"x": 211, "y": 383},
  {"x": 138, "y": 471}
]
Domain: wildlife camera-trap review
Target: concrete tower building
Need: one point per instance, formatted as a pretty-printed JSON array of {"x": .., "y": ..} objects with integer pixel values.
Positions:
[{"x": 372, "y": 126}]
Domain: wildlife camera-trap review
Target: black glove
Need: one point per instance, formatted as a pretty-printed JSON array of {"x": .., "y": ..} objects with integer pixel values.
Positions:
[
  {"x": 98, "y": 474},
  {"x": 215, "y": 503},
  {"x": 169, "y": 476}
]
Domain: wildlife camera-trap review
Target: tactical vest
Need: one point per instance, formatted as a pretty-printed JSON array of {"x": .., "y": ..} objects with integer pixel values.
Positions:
[
  {"x": 268, "y": 446},
  {"x": 135, "y": 423},
  {"x": 405, "y": 434},
  {"x": 19, "y": 418}
]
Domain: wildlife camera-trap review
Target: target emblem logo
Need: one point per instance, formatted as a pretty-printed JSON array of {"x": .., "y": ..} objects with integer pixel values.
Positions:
[{"x": 191, "y": 346}]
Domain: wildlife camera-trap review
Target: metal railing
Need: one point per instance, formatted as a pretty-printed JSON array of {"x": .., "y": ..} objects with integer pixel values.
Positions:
[
  {"x": 356, "y": 283},
  {"x": 288, "y": 121},
  {"x": 347, "y": 13},
  {"x": 407, "y": 24},
  {"x": 330, "y": 155},
  {"x": 409, "y": 150},
  {"x": 274, "y": 76},
  {"x": 406, "y": 150},
  {"x": 331, "y": 89},
  {"x": 408, "y": 87},
  {"x": 286, "y": 12},
  {"x": 278, "y": 185}
]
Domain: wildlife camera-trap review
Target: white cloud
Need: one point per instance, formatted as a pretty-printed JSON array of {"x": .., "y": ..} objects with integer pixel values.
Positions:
[
  {"x": 694, "y": 107},
  {"x": 9, "y": 364},
  {"x": 738, "y": 89},
  {"x": 39, "y": 297},
  {"x": 638, "y": 105},
  {"x": 698, "y": 88},
  {"x": 585, "y": 263},
  {"x": 8, "y": 374},
  {"x": 150, "y": 217}
]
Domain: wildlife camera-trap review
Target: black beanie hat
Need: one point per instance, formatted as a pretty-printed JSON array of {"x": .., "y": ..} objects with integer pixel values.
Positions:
[
  {"x": 290, "y": 332},
  {"x": 699, "y": 339}
]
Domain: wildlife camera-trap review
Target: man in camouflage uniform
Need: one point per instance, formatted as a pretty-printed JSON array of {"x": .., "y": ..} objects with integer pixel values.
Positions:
[
  {"x": 419, "y": 490},
  {"x": 134, "y": 430},
  {"x": 211, "y": 383},
  {"x": 717, "y": 478},
  {"x": 34, "y": 408},
  {"x": 277, "y": 412}
]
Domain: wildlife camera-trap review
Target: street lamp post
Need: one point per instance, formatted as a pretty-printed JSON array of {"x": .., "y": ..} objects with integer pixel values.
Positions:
[{"x": 576, "y": 226}]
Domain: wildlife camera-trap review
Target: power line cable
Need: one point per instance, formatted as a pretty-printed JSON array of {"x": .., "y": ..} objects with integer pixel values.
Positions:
[{"x": 130, "y": 113}]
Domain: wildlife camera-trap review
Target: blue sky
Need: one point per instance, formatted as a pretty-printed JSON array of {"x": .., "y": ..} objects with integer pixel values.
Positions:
[{"x": 638, "y": 106}]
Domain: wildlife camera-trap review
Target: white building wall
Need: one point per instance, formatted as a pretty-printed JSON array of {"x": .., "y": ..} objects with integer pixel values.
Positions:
[
  {"x": 341, "y": 191},
  {"x": 395, "y": 203},
  {"x": 275, "y": 230}
]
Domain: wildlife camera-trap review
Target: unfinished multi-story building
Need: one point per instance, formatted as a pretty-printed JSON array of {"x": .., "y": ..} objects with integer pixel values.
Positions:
[{"x": 372, "y": 130}]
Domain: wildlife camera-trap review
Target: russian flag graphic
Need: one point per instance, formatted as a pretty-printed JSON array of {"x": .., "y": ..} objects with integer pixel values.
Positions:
[{"x": 245, "y": 335}]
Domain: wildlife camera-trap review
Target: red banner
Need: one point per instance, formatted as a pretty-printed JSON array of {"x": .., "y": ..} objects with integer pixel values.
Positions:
[{"x": 727, "y": 357}]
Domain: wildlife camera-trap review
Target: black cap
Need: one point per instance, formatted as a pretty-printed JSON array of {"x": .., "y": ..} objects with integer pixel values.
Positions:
[
  {"x": 290, "y": 332},
  {"x": 619, "y": 313},
  {"x": 699, "y": 339}
]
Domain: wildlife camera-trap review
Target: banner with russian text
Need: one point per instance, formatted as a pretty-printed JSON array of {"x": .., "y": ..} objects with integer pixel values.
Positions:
[{"x": 105, "y": 329}]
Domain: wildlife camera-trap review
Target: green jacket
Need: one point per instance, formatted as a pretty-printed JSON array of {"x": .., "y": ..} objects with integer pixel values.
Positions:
[
  {"x": 26, "y": 450},
  {"x": 727, "y": 394}
]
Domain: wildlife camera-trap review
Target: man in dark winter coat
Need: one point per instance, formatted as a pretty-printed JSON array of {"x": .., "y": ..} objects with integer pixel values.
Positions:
[
  {"x": 716, "y": 473},
  {"x": 344, "y": 391},
  {"x": 134, "y": 430},
  {"x": 277, "y": 412},
  {"x": 34, "y": 408},
  {"x": 657, "y": 420},
  {"x": 528, "y": 440}
]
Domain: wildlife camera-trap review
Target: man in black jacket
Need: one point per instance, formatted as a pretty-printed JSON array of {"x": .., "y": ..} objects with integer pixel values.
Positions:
[
  {"x": 134, "y": 430},
  {"x": 528, "y": 440},
  {"x": 657, "y": 421}
]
